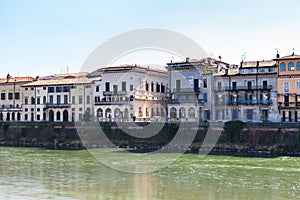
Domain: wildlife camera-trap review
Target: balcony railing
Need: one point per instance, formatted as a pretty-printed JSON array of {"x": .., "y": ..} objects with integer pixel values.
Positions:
[
  {"x": 186, "y": 90},
  {"x": 249, "y": 102},
  {"x": 61, "y": 105},
  {"x": 111, "y": 102},
  {"x": 109, "y": 93},
  {"x": 253, "y": 87},
  {"x": 177, "y": 101}
]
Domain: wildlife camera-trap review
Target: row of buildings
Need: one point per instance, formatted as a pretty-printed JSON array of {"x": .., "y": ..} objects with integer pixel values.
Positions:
[{"x": 191, "y": 90}]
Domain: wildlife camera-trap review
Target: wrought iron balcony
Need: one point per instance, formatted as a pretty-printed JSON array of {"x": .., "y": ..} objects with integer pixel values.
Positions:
[{"x": 54, "y": 105}]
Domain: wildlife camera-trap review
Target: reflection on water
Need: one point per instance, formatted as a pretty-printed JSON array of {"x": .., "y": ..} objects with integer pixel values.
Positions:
[{"x": 53, "y": 174}]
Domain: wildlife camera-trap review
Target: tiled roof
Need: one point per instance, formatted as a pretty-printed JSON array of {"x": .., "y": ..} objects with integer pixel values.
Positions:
[
  {"x": 289, "y": 57},
  {"x": 126, "y": 68},
  {"x": 61, "y": 81},
  {"x": 17, "y": 79},
  {"x": 263, "y": 63}
]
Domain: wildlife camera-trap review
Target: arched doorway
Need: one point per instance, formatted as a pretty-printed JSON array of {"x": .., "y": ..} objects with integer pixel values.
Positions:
[
  {"x": 51, "y": 116},
  {"x": 108, "y": 113},
  {"x": 8, "y": 116},
  {"x": 173, "y": 113},
  {"x": 65, "y": 116},
  {"x": 13, "y": 116},
  {"x": 18, "y": 116},
  {"x": 99, "y": 113},
  {"x": 126, "y": 115},
  {"x": 58, "y": 116},
  {"x": 182, "y": 113},
  {"x": 191, "y": 114},
  {"x": 117, "y": 114}
]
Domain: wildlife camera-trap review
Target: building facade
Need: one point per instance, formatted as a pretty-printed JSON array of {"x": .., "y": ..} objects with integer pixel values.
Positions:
[
  {"x": 289, "y": 88},
  {"x": 57, "y": 98},
  {"x": 249, "y": 92},
  {"x": 191, "y": 94},
  {"x": 12, "y": 97},
  {"x": 130, "y": 93}
]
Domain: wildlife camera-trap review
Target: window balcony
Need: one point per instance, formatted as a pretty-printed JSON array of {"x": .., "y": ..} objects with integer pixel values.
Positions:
[
  {"x": 62, "y": 105},
  {"x": 186, "y": 90},
  {"x": 110, "y": 93}
]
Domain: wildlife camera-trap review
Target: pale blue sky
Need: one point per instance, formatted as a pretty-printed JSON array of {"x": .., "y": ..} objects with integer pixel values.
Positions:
[{"x": 43, "y": 37}]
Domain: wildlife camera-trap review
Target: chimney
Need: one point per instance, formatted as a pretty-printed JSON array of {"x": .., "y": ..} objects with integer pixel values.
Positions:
[{"x": 187, "y": 59}]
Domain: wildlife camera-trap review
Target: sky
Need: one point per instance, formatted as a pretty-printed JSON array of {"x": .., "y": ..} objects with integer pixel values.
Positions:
[{"x": 39, "y": 38}]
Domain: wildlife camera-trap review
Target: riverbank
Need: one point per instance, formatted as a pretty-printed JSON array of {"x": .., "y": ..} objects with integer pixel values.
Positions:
[{"x": 234, "y": 138}]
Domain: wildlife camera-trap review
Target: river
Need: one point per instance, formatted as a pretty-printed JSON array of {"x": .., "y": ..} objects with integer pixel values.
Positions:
[{"x": 31, "y": 173}]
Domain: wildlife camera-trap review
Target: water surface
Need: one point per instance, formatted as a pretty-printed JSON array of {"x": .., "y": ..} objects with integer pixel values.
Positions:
[{"x": 30, "y": 173}]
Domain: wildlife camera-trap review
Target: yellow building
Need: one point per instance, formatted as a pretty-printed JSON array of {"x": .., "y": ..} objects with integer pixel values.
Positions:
[
  {"x": 289, "y": 87},
  {"x": 11, "y": 97}
]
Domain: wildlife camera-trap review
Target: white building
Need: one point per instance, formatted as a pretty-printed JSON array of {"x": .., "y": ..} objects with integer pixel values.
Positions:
[
  {"x": 130, "y": 93},
  {"x": 57, "y": 98}
]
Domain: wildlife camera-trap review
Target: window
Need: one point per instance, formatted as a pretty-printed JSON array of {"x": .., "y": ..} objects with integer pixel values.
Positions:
[
  {"x": 44, "y": 100},
  {"x": 147, "y": 86},
  {"x": 58, "y": 98},
  {"x": 298, "y": 65},
  {"x": 10, "y": 95},
  {"x": 38, "y": 100},
  {"x": 107, "y": 86},
  {"x": 88, "y": 86},
  {"x": 297, "y": 85},
  {"x": 3, "y": 95},
  {"x": 26, "y": 89},
  {"x": 80, "y": 100},
  {"x": 249, "y": 114},
  {"x": 50, "y": 89},
  {"x": 59, "y": 89},
  {"x": 162, "y": 88},
  {"x": 67, "y": 88},
  {"x": 80, "y": 109},
  {"x": 26, "y": 117},
  {"x": 44, "y": 88},
  {"x": 123, "y": 86},
  {"x": 32, "y": 100},
  {"x": 73, "y": 99},
  {"x": 131, "y": 87},
  {"x": 178, "y": 85},
  {"x": 26, "y": 109},
  {"x": 152, "y": 87},
  {"x": 65, "y": 99},
  {"x": 286, "y": 86},
  {"x": 282, "y": 66},
  {"x": 17, "y": 95},
  {"x": 205, "y": 83},
  {"x": 26, "y": 100},
  {"x": 97, "y": 88},
  {"x": 38, "y": 109},
  {"x": 88, "y": 99},
  {"x": 233, "y": 85},
  {"x": 51, "y": 99},
  {"x": 38, "y": 117},
  {"x": 157, "y": 87},
  {"x": 291, "y": 66},
  {"x": 205, "y": 97}
]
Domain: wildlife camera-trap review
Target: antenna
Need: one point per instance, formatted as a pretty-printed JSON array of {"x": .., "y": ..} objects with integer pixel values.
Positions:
[
  {"x": 244, "y": 56},
  {"x": 293, "y": 51}
]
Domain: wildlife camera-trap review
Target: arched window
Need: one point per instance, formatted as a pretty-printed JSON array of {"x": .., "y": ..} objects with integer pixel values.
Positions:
[
  {"x": 182, "y": 112},
  {"x": 99, "y": 113},
  {"x": 58, "y": 116},
  {"x": 65, "y": 116},
  {"x": 298, "y": 65},
  {"x": 3, "y": 95},
  {"x": 291, "y": 66},
  {"x": 282, "y": 66}
]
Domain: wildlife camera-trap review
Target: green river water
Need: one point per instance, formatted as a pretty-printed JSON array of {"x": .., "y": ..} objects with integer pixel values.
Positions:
[{"x": 30, "y": 173}]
